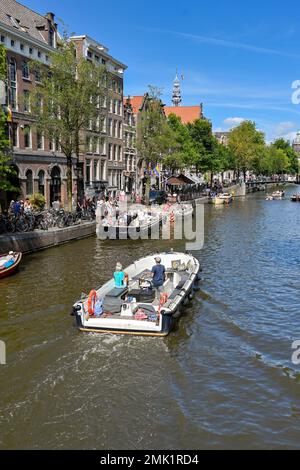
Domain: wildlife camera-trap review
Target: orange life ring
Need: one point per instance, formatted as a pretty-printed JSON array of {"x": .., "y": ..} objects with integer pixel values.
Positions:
[
  {"x": 163, "y": 299},
  {"x": 92, "y": 302},
  {"x": 172, "y": 217}
]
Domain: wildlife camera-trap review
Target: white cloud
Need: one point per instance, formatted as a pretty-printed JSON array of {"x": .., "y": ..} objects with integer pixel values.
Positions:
[
  {"x": 284, "y": 127},
  {"x": 233, "y": 121}
]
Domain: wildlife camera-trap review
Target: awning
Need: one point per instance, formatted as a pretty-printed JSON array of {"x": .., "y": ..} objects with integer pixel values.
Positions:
[
  {"x": 181, "y": 180},
  {"x": 195, "y": 178}
]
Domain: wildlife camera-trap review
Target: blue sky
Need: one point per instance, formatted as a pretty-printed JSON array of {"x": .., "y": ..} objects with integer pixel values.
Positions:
[{"x": 239, "y": 59}]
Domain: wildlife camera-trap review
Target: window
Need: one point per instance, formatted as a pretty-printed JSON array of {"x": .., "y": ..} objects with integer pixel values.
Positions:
[
  {"x": 110, "y": 151},
  {"x": 25, "y": 71},
  {"x": 41, "y": 177},
  {"x": 29, "y": 182},
  {"x": 120, "y": 130},
  {"x": 96, "y": 166},
  {"x": 2, "y": 38},
  {"x": 14, "y": 22},
  {"x": 30, "y": 50},
  {"x": 89, "y": 144},
  {"x": 37, "y": 74},
  {"x": 12, "y": 75},
  {"x": 110, "y": 126},
  {"x": 27, "y": 137},
  {"x": 26, "y": 98},
  {"x": 95, "y": 145},
  {"x": 22, "y": 47},
  {"x": 51, "y": 38},
  {"x": 88, "y": 170},
  {"x": 15, "y": 134},
  {"x": 39, "y": 54},
  {"x": 39, "y": 140},
  {"x": 12, "y": 43},
  {"x": 120, "y": 153}
]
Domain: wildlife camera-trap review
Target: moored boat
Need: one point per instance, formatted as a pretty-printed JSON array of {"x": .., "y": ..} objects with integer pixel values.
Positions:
[
  {"x": 9, "y": 263},
  {"x": 295, "y": 198},
  {"x": 129, "y": 227},
  {"x": 139, "y": 309}
]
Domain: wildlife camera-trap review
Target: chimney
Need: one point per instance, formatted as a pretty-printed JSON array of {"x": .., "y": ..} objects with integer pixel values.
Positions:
[{"x": 50, "y": 16}]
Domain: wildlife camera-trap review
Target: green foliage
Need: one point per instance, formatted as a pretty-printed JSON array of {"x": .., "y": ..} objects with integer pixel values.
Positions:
[
  {"x": 293, "y": 167},
  {"x": 3, "y": 64},
  {"x": 37, "y": 201},
  {"x": 152, "y": 130},
  {"x": 247, "y": 144}
]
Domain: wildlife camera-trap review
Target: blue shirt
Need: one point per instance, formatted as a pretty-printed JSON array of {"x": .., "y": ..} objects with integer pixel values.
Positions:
[
  {"x": 119, "y": 278},
  {"x": 159, "y": 275}
]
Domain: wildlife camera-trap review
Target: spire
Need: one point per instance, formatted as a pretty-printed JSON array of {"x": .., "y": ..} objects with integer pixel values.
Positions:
[{"x": 176, "y": 97}]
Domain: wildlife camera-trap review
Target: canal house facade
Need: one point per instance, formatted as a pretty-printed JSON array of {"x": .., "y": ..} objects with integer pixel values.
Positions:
[
  {"x": 40, "y": 166},
  {"x": 102, "y": 158}
]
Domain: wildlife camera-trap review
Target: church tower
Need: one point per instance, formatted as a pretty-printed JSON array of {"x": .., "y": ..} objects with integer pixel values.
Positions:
[{"x": 176, "y": 97}]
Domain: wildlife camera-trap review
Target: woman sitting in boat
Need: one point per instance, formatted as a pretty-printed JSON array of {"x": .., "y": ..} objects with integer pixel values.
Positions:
[{"x": 120, "y": 277}]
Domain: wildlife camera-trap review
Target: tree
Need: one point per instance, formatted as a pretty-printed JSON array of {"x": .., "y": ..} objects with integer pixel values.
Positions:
[
  {"x": 182, "y": 150},
  {"x": 67, "y": 101},
  {"x": 207, "y": 152},
  {"x": 6, "y": 170},
  {"x": 290, "y": 153},
  {"x": 153, "y": 134},
  {"x": 247, "y": 145}
]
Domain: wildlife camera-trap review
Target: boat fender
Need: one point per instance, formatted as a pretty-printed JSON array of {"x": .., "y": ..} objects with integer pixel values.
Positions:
[
  {"x": 191, "y": 295},
  {"x": 92, "y": 302}
]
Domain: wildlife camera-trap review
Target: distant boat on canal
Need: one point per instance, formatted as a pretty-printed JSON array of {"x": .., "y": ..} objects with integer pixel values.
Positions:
[
  {"x": 224, "y": 198},
  {"x": 295, "y": 198}
]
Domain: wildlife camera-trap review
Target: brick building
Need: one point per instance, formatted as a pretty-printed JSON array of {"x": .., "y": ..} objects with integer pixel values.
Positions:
[
  {"x": 102, "y": 161},
  {"x": 27, "y": 35},
  {"x": 130, "y": 153}
]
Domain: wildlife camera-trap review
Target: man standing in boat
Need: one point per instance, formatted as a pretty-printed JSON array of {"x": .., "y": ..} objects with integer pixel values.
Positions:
[{"x": 158, "y": 274}]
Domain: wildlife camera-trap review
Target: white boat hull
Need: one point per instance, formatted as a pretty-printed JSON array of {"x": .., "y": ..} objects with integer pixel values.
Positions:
[{"x": 165, "y": 314}]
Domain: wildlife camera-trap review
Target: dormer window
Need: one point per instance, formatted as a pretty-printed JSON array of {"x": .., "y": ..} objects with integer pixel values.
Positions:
[
  {"x": 13, "y": 21},
  {"x": 51, "y": 38}
]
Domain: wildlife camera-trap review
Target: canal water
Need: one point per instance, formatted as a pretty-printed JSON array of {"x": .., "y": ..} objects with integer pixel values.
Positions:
[{"x": 223, "y": 379}]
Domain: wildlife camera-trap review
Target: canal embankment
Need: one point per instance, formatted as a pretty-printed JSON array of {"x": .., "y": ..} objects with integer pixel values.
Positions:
[{"x": 41, "y": 240}]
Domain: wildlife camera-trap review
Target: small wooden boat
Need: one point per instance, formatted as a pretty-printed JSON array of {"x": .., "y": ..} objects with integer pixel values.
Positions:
[
  {"x": 295, "y": 198},
  {"x": 139, "y": 309},
  {"x": 269, "y": 197},
  {"x": 9, "y": 263}
]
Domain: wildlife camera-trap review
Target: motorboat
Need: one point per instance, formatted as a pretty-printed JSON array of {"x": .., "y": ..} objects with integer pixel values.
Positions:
[
  {"x": 295, "y": 198},
  {"x": 131, "y": 225},
  {"x": 139, "y": 308},
  {"x": 9, "y": 263},
  {"x": 226, "y": 197},
  {"x": 223, "y": 198},
  {"x": 177, "y": 211},
  {"x": 278, "y": 194},
  {"x": 269, "y": 197}
]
